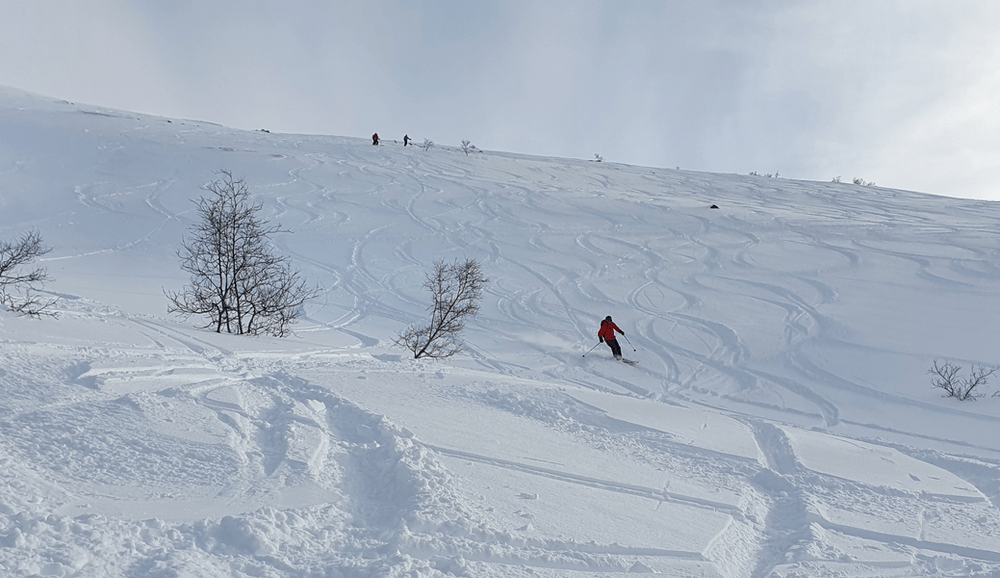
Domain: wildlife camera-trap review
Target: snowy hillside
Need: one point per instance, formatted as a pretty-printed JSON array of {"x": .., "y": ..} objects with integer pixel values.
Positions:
[{"x": 780, "y": 421}]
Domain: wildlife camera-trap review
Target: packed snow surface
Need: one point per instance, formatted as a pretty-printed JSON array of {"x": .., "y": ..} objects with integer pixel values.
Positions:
[{"x": 780, "y": 421}]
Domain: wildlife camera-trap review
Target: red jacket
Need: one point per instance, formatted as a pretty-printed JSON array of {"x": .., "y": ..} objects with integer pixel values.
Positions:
[{"x": 607, "y": 332}]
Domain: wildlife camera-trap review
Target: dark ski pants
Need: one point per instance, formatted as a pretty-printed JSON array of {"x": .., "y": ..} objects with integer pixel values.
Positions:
[{"x": 615, "y": 348}]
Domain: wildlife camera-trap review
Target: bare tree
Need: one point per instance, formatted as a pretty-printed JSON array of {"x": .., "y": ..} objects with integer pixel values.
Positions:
[
  {"x": 236, "y": 278},
  {"x": 468, "y": 147},
  {"x": 945, "y": 377},
  {"x": 456, "y": 289},
  {"x": 19, "y": 290},
  {"x": 427, "y": 145}
]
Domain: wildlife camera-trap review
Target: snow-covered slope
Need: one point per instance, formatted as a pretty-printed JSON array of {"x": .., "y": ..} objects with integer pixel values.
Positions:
[{"x": 779, "y": 423}]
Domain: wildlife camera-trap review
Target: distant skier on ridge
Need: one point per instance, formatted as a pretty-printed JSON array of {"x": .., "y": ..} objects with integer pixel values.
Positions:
[
  {"x": 406, "y": 139},
  {"x": 375, "y": 139},
  {"x": 607, "y": 335}
]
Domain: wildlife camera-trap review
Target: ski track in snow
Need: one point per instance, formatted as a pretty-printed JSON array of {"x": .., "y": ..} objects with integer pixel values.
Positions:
[{"x": 779, "y": 423}]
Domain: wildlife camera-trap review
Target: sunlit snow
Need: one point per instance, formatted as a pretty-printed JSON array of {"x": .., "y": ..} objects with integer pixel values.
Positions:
[{"x": 779, "y": 422}]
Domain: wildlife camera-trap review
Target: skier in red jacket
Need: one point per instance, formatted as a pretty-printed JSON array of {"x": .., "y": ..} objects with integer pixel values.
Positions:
[{"x": 607, "y": 335}]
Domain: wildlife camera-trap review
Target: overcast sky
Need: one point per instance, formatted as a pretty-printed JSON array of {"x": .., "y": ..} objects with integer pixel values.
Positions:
[{"x": 905, "y": 93}]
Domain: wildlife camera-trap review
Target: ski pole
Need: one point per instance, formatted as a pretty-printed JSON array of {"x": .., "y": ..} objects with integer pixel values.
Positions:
[
  {"x": 629, "y": 342},
  {"x": 591, "y": 349}
]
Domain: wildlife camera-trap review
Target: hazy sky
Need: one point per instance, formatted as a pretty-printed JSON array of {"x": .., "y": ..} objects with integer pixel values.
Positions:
[{"x": 905, "y": 93}]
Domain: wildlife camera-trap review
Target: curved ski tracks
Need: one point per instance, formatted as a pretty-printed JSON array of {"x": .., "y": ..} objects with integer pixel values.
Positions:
[{"x": 368, "y": 484}]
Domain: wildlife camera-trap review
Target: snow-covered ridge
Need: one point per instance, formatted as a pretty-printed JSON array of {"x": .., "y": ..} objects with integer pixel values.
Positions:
[{"x": 779, "y": 423}]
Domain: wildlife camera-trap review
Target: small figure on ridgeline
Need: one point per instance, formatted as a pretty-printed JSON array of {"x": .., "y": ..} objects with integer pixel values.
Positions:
[
  {"x": 607, "y": 335},
  {"x": 375, "y": 139},
  {"x": 406, "y": 139}
]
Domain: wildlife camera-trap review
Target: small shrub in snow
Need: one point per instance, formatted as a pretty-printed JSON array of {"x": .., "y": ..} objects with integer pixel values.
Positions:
[
  {"x": 236, "y": 278},
  {"x": 427, "y": 144},
  {"x": 835, "y": 179},
  {"x": 598, "y": 158},
  {"x": 862, "y": 182},
  {"x": 456, "y": 289},
  {"x": 945, "y": 377},
  {"x": 468, "y": 147},
  {"x": 18, "y": 289}
]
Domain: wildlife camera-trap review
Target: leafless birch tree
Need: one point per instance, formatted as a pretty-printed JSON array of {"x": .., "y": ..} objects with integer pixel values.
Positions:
[
  {"x": 236, "y": 278},
  {"x": 456, "y": 289},
  {"x": 945, "y": 377},
  {"x": 18, "y": 288}
]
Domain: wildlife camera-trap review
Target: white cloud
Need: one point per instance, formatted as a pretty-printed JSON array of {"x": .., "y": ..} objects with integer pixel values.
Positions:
[
  {"x": 96, "y": 52},
  {"x": 902, "y": 92}
]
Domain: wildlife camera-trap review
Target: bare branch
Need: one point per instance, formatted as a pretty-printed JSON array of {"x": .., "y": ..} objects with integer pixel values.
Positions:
[
  {"x": 945, "y": 377},
  {"x": 978, "y": 376},
  {"x": 19, "y": 289}
]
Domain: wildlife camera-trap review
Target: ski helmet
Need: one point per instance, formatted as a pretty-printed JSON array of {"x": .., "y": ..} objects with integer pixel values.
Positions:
[{"x": 608, "y": 318}]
